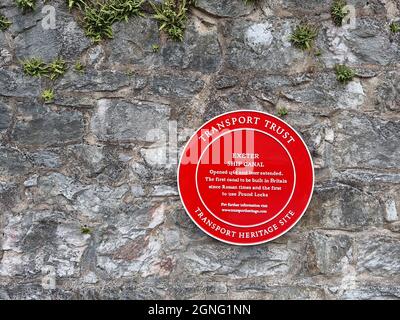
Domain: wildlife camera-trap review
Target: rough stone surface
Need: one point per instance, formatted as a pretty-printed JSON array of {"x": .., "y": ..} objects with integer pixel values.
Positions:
[
  {"x": 39, "y": 126},
  {"x": 14, "y": 84},
  {"x": 370, "y": 143},
  {"x": 328, "y": 254},
  {"x": 199, "y": 51},
  {"x": 5, "y": 117},
  {"x": 263, "y": 45},
  {"x": 66, "y": 39},
  {"x": 95, "y": 81},
  {"x": 224, "y": 8},
  {"x": 388, "y": 91},
  {"x": 13, "y": 162},
  {"x": 341, "y": 206},
  {"x": 176, "y": 86},
  {"x": 370, "y": 43},
  {"x": 120, "y": 121},
  {"x": 89, "y": 207},
  {"x": 134, "y": 45},
  {"x": 379, "y": 255}
]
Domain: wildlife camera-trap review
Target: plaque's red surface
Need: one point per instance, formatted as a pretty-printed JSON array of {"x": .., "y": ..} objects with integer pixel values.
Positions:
[{"x": 245, "y": 177}]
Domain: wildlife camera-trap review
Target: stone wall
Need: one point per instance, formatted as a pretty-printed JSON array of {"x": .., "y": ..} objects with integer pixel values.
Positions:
[{"x": 88, "y": 210}]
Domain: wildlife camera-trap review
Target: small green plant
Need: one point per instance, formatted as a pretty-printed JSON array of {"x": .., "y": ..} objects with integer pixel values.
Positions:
[
  {"x": 79, "y": 67},
  {"x": 35, "y": 67},
  {"x": 155, "y": 48},
  {"x": 394, "y": 27},
  {"x": 76, "y": 3},
  {"x": 48, "y": 95},
  {"x": 26, "y": 5},
  {"x": 97, "y": 25},
  {"x": 57, "y": 68},
  {"x": 172, "y": 17},
  {"x": 86, "y": 230},
  {"x": 317, "y": 53},
  {"x": 249, "y": 1},
  {"x": 303, "y": 36},
  {"x": 98, "y": 17},
  {"x": 4, "y": 23},
  {"x": 282, "y": 112},
  {"x": 338, "y": 11},
  {"x": 344, "y": 73}
]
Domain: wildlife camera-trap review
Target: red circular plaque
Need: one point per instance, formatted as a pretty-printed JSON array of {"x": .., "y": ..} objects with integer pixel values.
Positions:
[{"x": 245, "y": 177}]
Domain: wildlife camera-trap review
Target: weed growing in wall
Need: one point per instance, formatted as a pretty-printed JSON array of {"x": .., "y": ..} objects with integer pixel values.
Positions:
[
  {"x": 344, "y": 73},
  {"x": 79, "y": 67},
  {"x": 394, "y": 27},
  {"x": 26, "y": 5},
  {"x": 48, "y": 95},
  {"x": 86, "y": 230},
  {"x": 338, "y": 11},
  {"x": 317, "y": 52},
  {"x": 282, "y": 111},
  {"x": 57, "y": 68},
  {"x": 172, "y": 17},
  {"x": 98, "y": 17},
  {"x": 303, "y": 36},
  {"x": 35, "y": 67},
  {"x": 4, "y": 23},
  {"x": 76, "y": 3}
]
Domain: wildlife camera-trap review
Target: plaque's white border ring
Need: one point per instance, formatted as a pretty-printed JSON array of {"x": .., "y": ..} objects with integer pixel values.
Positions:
[
  {"x": 250, "y": 243},
  {"x": 261, "y": 223}
]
